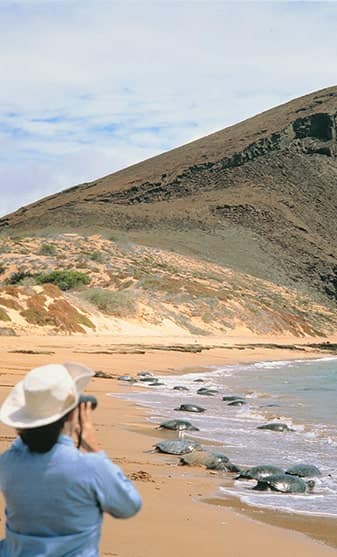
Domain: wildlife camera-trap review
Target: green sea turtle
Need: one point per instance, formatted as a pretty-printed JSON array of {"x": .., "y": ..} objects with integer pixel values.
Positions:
[
  {"x": 206, "y": 391},
  {"x": 190, "y": 408},
  {"x": 304, "y": 471},
  {"x": 178, "y": 425},
  {"x": 277, "y": 426},
  {"x": 103, "y": 375},
  {"x": 180, "y": 388},
  {"x": 219, "y": 461},
  {"x": 259, "y": 472},
  {"x": 127, "y": 378},
  {"x": 237, "y": 402},
  {"x": 148, "y": 379},
  {"x": 145, "y": 374},
  {"x": 229, "y": 398},
  {"x": 284, "y": 483},
  {"x": 178, "y": 446},
  {"x": 212, "y": 461}
]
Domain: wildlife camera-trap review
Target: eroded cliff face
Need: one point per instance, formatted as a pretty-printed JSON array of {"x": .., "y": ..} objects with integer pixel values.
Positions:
[{"x": 314, "y": 134}]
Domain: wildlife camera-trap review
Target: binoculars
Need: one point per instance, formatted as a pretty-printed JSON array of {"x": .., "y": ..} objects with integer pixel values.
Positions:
[{"x": 89, "y": 398}]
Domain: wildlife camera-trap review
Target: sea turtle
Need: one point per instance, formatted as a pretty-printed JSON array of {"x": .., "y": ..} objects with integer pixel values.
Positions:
[
  {"x": 148, "y": 379},
  {"x": 180, "y": 388},
  {"x": 156, "y": 383},
  {"x": 178, "y": 425},
  {"x": 190, "y": 408},
  {"x": 277, "y": 426},
  {"x": 237, "y": 402},
  {"x": 178, "y": 446},
  {"x": 206, "y": 391},
  {"x": 304, "y": 471},
  {"x": 212, "y": 461},
  {"x": 103, "y": 374},
  {"x": 127, "y": 378},
  {"x": 219, "y": 461},
  {"x": 229, "y": 398},
  {"x": 198, "y": 380},
  {"x": 145, "y": 374},
  {"x": 284, "y": 483},
  {"x": 259, "y": 472}
]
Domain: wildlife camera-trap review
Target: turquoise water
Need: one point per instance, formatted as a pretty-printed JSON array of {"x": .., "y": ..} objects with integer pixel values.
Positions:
[{"x": 302, "y": 394}]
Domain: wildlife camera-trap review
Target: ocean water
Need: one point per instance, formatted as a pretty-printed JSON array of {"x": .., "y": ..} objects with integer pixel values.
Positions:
[{"x": 301, "y": 393}]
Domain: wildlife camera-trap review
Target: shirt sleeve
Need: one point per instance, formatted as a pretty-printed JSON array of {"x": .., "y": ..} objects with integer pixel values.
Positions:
[{"x": 115, "y": 493}]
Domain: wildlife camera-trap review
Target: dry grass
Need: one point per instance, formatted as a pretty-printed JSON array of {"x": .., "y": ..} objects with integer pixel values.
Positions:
[
  {"x": 4, "y": 315},
  {"x": 9, "y": 303},
  {"x": 65, "y": 317}
]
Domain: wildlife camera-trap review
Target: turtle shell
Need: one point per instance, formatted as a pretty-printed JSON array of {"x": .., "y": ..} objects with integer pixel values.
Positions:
[
  {"x": 283, "y": 483},
  {"x": 212, "y": 461},
  {"x": 207, "y": 392},
  {"x": 190, "y": 408},
  {"x": 260, "y": 472},
  {"x": 275, "y": 427},
  {"x": 304, "y": 471},
  {"x": 178, "y": 446},
  {"x": 178, "y": 425}
]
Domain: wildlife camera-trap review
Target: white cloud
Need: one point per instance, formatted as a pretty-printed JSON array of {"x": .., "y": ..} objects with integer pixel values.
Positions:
[{"x": 90, "y": 86}]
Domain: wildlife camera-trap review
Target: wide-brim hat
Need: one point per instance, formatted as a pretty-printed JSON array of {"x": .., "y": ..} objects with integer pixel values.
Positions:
[{"x": 45, "y": 395}]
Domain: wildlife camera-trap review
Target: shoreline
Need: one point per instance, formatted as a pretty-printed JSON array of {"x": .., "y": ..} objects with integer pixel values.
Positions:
[
  {"x": 177, "y": 517},
  {"x": 317, "y": 527}
]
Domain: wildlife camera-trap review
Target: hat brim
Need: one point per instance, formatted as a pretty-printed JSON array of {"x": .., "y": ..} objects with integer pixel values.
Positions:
[{"x": 14, "y": 413}]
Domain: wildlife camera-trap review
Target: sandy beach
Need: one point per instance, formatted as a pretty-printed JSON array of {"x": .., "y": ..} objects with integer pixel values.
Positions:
[{"x": 182, "y": 513}]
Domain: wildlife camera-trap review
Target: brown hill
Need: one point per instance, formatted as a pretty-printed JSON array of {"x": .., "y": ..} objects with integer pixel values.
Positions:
[{"x": 259, "y": 197}]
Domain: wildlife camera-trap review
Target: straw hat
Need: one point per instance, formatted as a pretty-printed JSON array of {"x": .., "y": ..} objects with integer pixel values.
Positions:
[{"x": 45, "y": 395}]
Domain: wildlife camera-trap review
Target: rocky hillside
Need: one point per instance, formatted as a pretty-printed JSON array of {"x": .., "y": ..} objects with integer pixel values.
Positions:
[
  {"x": 258, "y": 197},
  {"x": 74, "y": 284}
]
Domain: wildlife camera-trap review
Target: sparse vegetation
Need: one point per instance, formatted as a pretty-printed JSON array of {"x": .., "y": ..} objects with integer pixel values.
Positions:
[
  {"x": 65, "y": 317},
  {"x": 150, "y": 284},
  {"x": 48, "y": 249},
  {"x": 119, "y": 304},
  {"x": 52, "y": 290},
  {"x": 9, "y": 303},
  {"x": 97, "y": 256},
  {"x": 4, "y": 315}
]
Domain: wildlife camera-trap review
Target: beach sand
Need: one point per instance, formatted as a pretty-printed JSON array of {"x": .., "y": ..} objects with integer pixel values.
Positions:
[{"x": 182, "y": 513}]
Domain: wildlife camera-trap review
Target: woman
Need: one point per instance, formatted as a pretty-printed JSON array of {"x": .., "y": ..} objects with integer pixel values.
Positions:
[{"x": 56, "y": 494}]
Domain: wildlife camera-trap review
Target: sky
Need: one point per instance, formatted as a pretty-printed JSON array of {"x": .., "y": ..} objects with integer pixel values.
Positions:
[{"x": 91, "y": 86}]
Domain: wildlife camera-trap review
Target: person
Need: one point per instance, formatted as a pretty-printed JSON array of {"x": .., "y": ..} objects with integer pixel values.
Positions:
[{"x": 56, "y": 494}]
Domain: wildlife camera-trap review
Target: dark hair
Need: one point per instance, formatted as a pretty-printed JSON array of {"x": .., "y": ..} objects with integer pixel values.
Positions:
[{"x": 42, "y": 439}]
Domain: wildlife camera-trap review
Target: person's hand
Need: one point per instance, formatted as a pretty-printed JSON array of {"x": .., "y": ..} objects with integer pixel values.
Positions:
[{"x": 84, "y": 430}]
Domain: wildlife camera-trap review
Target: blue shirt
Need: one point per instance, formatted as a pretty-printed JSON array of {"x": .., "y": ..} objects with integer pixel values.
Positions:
[{"x": 55, "y": 501}]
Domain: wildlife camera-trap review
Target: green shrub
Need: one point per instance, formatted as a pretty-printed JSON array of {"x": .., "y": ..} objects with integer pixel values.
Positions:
[
  {"x": 48, "y": 249},
  {"x": 110, "y": 302},
  {"x": 97, "y": 256},
  {"x": 18, "y": 277},
  {"x": 65, "y": 280}
]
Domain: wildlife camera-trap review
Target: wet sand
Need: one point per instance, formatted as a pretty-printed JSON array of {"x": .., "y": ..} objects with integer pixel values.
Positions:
[{"x": 182, "y": 512}]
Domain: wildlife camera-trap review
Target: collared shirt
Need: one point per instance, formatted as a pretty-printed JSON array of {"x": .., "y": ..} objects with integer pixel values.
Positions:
[{"x": 55, "y": 500}]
